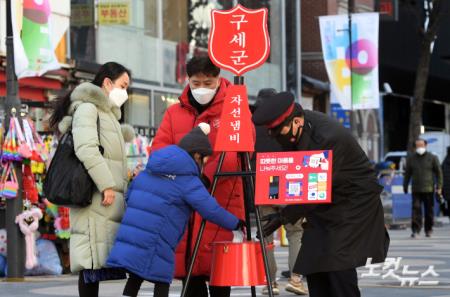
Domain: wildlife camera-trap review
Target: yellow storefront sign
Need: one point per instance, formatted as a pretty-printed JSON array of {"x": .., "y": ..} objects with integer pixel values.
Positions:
[{"x": 114, "y": 13}]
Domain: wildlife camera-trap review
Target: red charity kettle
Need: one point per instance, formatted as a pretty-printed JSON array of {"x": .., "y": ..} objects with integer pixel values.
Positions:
[{"x": 238, "y": 264}]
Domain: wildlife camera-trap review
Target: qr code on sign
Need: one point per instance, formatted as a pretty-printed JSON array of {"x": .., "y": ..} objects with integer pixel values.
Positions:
[{"x": 295, "y": 189}]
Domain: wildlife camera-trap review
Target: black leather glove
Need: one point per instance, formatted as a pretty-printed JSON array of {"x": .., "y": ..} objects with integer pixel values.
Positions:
[
  {"x": 273, "y": 222},
  {"x": 240, "y": 226}
]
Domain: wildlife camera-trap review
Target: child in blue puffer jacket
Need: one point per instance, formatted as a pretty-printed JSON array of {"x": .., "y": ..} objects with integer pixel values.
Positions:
[{"x": 160, "y": 201}]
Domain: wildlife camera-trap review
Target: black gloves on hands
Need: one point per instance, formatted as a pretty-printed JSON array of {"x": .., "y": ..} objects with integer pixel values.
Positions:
[
  {"x": 240, "y": 226},
  {"x": 273, "y": 222}
]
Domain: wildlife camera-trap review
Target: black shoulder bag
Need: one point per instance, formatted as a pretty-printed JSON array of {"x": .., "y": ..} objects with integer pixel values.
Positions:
[{"x": 67, "y": 182}]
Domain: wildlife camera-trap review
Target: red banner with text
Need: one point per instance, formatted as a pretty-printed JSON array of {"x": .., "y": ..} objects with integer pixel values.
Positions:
[{"x": 236, "y": 128}]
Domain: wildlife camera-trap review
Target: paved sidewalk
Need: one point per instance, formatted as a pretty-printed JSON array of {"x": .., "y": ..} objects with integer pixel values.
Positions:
[{"x": 417, "y": 256}]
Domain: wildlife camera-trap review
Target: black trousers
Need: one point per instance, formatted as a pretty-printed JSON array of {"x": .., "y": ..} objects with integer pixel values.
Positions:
[
  {"x": 134, "y": 283},
  {"x": 334, "y": 284},
  {"x": 87, "y": 289},
  {"x": 427, "y": 199},
  {"x": 198, "y": 288}
]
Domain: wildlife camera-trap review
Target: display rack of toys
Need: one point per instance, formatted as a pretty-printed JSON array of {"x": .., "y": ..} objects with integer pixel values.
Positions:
[
  {"x": 137, "y": 155},
  {"x": 31, "y": 151}
]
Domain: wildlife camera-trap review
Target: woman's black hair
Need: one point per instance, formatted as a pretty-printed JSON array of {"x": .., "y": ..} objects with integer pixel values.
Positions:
[{"x": 60, "y": 105}]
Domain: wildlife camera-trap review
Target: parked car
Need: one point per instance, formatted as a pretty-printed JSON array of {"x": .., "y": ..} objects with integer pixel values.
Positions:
[{"x": 399, "y": 159}]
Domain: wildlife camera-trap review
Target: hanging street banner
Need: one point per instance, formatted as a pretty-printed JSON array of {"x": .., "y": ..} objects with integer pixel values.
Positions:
[
  {"x": 33, "y": 49},
  {"x": 236, "y": 128},
  {"x": 300, "y": 177},
  {"x": 239, "y": 39},
  {"x": 352, "y": 67}
]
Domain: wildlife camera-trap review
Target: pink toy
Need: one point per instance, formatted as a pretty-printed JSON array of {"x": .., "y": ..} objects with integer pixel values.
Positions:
[{"x": 29, "y": 222}]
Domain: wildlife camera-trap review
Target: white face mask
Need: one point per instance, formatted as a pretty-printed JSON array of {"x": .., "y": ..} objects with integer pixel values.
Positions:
[
  {"x": 118, "y": 96},
  {"x": 203, "y": 95},
  {"x": 421, "y": 150}
]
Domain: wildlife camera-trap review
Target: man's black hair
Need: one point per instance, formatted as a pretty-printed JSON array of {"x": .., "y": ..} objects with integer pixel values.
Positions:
[
  {"x": 420, "y": 139},
  {"x": 202, "y": 64}
]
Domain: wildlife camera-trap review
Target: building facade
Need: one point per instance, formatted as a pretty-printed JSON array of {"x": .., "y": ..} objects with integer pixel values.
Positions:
[{"x": 155, "y": 39}]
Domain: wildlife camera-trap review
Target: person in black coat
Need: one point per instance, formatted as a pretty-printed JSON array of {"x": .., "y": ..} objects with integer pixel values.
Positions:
[
  {"x": 343, "y": 235},
  {"x": 444, "y": 204}
]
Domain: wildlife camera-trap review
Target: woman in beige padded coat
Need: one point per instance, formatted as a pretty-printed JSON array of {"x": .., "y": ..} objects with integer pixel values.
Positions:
[{"x": 93, "y": 228}]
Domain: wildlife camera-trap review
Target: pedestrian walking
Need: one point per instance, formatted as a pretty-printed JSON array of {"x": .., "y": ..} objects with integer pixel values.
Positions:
[
  {"x": 93, "y": 228},
  {"x": 340, "y": 236},
  {"x": 446, "y": 185},
  {"x": 425, "y": 173},
  {"x": 202, "y": 101}
]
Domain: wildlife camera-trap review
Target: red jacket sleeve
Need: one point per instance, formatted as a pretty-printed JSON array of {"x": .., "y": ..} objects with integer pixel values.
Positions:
[{"x": 164, "y": 136}]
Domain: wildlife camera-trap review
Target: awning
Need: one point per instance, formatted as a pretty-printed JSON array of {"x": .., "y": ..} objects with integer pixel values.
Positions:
[
  {"x": 31, "y": 88},
  {"x": 309, "y": 83}
]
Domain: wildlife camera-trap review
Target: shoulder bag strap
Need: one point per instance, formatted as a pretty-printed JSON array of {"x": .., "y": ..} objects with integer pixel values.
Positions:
[{"x": 100, "y": 147}]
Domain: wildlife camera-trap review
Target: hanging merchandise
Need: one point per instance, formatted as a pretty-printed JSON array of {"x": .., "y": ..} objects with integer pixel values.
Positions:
[
  {"x": 24, "y": 147},
  {"x": 9, "y": 185},
  {"x": 30, "y": 190},
  {"x": 62, "y": 223},
  {"x": 28, "y": 222},
  {"x": 38, "y": 150},
  {"x": 10, "y": 149},
  {"x": 3, "y": 245},
  {"x": 37, "y": 167},
  {"x": 60, "y": 217}
]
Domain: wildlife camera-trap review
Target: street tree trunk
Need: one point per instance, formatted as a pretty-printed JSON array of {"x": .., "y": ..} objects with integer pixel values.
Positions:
[{"x": 423, "y": 68}]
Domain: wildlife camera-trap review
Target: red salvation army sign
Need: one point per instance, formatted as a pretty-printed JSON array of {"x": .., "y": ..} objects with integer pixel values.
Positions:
[
  {"x": 301, "y": 177},
  {"x": 236, "y": 128},
  {"x": 239, "y": 39}
]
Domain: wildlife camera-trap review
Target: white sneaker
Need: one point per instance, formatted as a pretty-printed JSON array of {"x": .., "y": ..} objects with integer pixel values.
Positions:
[
  {"x": 275, "y": 290},
  {"x": 295, "y": 285}
]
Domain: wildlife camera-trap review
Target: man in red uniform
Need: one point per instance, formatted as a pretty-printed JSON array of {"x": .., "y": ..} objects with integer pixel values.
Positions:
[{"x": 202, "y": 101}]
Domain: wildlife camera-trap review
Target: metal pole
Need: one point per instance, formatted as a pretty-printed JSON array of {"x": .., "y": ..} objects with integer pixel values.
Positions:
[
  {"x": 15, "y": 242},
  {"x": 259, "y": 227},
  {"x": 298, "y": 13},
  {"x": 248, "y": 202},
  {"x": 350, "y": 8},
  {"x": 283, "y": 45},
  {"x": 201, "y": 230}
]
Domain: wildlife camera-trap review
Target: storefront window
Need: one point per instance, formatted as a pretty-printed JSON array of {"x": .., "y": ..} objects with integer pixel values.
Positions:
[
  {"x": 162, "y": 101},
  {"x": 138, "y": 109},
  {"x": 127, "y": 33}
]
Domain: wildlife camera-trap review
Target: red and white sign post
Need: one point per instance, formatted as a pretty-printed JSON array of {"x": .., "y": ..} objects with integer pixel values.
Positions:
[{"x": 238, "y": 42}]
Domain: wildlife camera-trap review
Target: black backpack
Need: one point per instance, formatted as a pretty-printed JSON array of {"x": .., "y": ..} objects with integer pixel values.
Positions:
[{"x": 67, "y": 182}]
